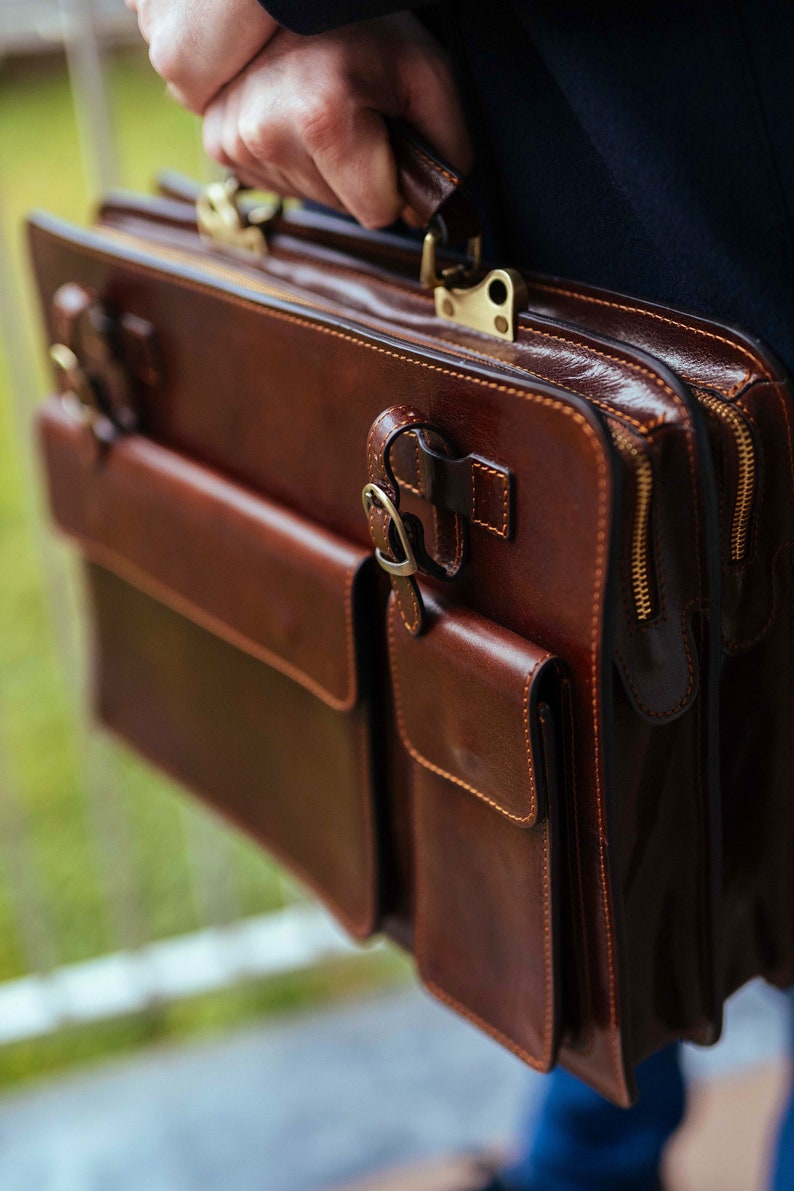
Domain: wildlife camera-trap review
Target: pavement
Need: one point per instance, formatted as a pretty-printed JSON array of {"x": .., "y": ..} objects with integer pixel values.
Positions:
[{"x": 325, "y": 1101}]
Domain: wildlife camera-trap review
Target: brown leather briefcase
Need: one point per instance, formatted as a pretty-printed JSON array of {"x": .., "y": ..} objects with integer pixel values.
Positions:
[{"x": 466, "y": 592}]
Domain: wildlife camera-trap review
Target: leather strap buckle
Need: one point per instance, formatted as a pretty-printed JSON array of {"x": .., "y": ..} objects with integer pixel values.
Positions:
[{"x": 373, "y": 495}]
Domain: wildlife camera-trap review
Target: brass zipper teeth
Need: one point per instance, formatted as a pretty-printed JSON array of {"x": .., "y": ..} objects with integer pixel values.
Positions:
[
  {"x": 641, "y": 581},
  {"x": 640, "y": 562},
  {"x": 745, "y": 487}
]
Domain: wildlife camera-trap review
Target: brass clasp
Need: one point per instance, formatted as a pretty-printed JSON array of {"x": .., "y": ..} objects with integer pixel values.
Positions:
[
  {"x": 374, "y": 495},
  {"x": 221, "y": 220},
  {"x": 77, "y": 397},
  {"x": 490, "y": 304},
  {"x": 429, "y": 275}
]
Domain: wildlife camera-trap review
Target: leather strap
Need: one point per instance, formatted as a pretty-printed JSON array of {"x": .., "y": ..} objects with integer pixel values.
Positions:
[
  {"x": 404, "y": 447},
  {"x": 475, "y": 487}
]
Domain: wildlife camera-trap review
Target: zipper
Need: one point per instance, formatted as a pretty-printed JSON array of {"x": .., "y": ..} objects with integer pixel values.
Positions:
[
  {"x": 639, "y": 553},
  {"x": 735, "y": 421},
  {"x": 641, "y": 578}
]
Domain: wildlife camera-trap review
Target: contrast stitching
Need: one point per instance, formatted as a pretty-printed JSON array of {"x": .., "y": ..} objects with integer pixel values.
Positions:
[
  {"x": 399, "y": 592},
  {"x": 540, "y": 1064},
  {"x": 436, "y": 165},
  {"x": 500, "y": 475},
  {"x": 372, "y": 892},
  {"x": 523, "y": 820},
  {"x": 570, "y": 766},
  {"x": 754, "y": 360},
  {"x": 533, "y": 788},
  {"x": 131, "y": 573},
  {"x": 690, "y": 667}
]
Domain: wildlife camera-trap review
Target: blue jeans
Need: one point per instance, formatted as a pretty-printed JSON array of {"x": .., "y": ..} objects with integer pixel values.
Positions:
[{"x": 581, "y": 1142}]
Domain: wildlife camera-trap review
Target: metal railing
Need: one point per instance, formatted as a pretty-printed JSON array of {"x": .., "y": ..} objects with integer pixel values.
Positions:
[{"x": 136, "y": 969}]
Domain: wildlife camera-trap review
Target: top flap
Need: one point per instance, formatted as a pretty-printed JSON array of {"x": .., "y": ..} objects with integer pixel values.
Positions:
[
  {"x": 467, "y": 702},
  {"x": 244, "y": 568}
]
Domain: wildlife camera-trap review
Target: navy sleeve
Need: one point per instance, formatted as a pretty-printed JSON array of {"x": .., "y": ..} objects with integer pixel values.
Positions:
[{"x": 316, "y": 16}]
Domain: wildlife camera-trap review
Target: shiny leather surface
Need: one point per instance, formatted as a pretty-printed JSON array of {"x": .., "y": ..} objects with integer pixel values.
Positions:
[{"x": 609, "y": 927}]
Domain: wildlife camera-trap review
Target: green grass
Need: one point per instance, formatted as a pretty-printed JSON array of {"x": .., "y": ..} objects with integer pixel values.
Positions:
[{"x": 59, "y": 785}]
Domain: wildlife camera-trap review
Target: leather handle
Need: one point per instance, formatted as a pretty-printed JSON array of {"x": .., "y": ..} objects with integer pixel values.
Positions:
[
  {"x": 427, "y": 183},
  {"x": 430, "y": 185}
]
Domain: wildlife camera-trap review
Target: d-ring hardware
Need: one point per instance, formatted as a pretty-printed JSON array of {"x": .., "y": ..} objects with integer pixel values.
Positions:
[
  {"x": 78, "y": 397},
  {"x": 223, "y": 222},
  {"x": 374, "y": 495}
]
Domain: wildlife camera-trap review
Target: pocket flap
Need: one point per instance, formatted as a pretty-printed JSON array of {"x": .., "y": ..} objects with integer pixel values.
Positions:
[
  {"x": 244, "y": 568},
  {"x": 467, "y": 695}
]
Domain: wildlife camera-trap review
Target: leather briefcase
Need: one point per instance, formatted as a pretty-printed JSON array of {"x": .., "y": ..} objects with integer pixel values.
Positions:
[{"x": 466, "y": 592}]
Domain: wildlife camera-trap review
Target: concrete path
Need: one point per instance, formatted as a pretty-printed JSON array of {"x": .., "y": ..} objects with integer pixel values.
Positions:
[{"x": 299, "y": 1106}]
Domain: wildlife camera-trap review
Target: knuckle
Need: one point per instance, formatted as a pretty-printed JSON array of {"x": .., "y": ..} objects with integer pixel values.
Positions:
[
  {"x": 212, "y": 142},
  {"x": 320, "y": 124},
  {"x": 167, "y": 58},
  {"x": 260, "y": 137}
]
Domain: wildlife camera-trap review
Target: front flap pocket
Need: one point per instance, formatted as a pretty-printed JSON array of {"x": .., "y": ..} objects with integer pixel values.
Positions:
[
  {"x": 227, "y": 637},
  {"x": 481, "y": 713}
]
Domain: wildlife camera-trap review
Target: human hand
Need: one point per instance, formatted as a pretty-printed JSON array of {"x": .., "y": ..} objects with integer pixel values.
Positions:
[
  {"x": 305, "y": 118},
  {"x": 198, "y": 46}
]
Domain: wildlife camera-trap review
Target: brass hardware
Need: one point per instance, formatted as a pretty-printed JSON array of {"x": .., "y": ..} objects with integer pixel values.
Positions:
[
  {"x": 222, "y": 222},
  {"x": 429, "y": 275},
  {"x": 640, "y": 562},
  {"x": 491, "y": 307},
  {"x": 78, "y": 397},
  {"x": 374, "y": 495},
  {"x": 746, "y": 482}
]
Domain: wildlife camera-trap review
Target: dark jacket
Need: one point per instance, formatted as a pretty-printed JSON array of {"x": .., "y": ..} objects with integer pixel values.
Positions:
[{"x": 646, "y": 146}]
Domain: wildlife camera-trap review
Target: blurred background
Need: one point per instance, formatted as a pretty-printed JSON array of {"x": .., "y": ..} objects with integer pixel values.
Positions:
[{"x": 174, "y": 1013}]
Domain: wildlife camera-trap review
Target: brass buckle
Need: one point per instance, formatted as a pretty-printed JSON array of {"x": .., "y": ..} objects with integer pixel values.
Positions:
[
  {"x": 78, "y": 398},
  {"x": 374, "y": 495},
  {"x": 222, "y": 222}
]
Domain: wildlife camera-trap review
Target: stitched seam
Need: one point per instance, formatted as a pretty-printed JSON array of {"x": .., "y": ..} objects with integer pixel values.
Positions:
[
  {"x": 250, "y": 303},
  {"x": 698, "y": 382},
  {"x": 137, "y": 577},
  {"x": 469, "y": 352},
  {"x": 436, "y": 165},
  {"x": 486, "y": 1027},
  {"x": 754, "y": 360},
  {"x": 366, "y": 800},
  {"x": 448, "y": 998},
  {"x": 399, "y": 591},
  {"x": 657, "y": 380},
  {"x": 532, "y": 398},
  {"x": 690, "y": 667},
  {"x": 600, "y": 813},
  {"x": 479, "y": 468},
  {"x": 533, "y": 787},
  {"x": 569, "y": 756},
  {"x": 523, "y": 820}
]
